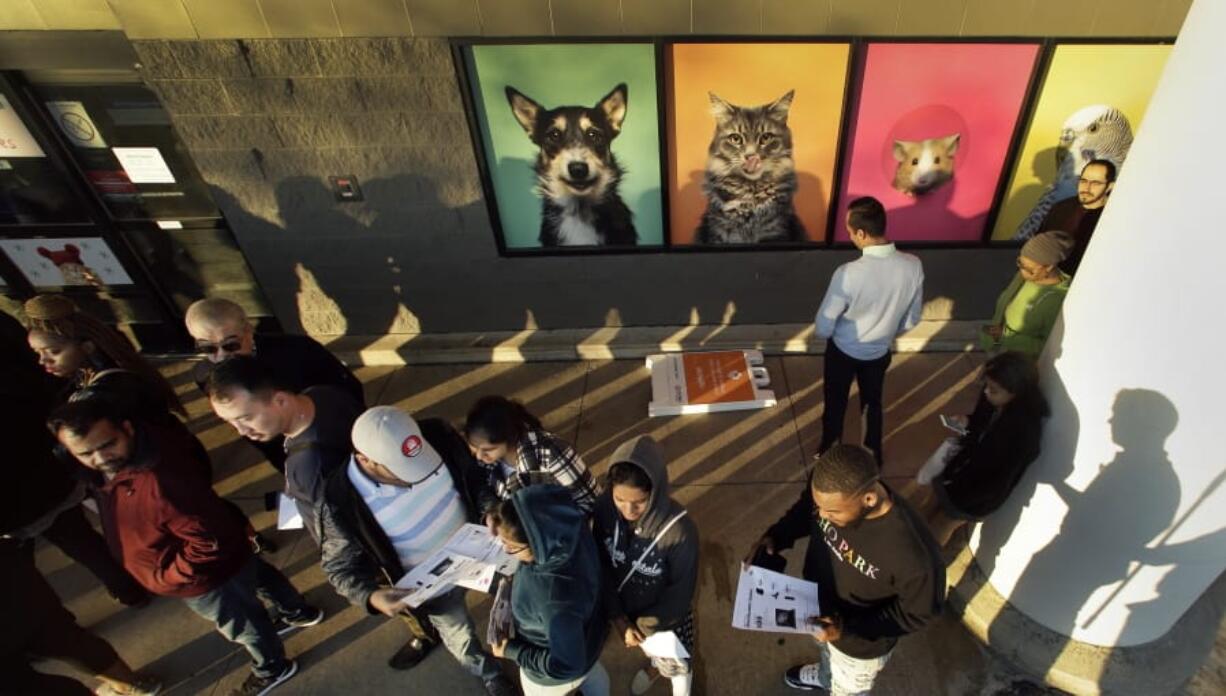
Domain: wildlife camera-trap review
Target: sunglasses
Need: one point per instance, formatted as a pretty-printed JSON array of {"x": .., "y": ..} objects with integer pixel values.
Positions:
[{"x": 230, "y": 345}]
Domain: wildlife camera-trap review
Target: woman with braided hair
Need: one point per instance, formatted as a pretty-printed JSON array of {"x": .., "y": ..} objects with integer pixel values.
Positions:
[{"x": 77, "y": 347}]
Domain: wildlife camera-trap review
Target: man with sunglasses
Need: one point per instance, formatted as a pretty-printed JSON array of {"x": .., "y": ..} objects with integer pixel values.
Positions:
[
  {"x": 1079, "y": 215},
  {"x": 878, "y": 570},
  {"x": 221, "y": 329},
  {"x": 406, "y": 489}
]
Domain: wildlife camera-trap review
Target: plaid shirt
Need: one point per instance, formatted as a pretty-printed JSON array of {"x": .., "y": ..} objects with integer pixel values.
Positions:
[{"x": 545, "y": 458}]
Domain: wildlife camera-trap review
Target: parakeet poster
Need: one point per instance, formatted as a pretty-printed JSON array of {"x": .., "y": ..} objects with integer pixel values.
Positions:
[
  {"x": 930, "y": 134},
  {"x": 1091, "y": 103}
]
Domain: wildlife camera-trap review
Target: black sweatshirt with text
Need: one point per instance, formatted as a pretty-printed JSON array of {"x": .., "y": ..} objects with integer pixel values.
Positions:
[{"x": 884, "y": 577}]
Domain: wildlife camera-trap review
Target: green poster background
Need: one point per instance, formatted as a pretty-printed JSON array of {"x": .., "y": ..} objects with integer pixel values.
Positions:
[{"x": 567, "y": 74}]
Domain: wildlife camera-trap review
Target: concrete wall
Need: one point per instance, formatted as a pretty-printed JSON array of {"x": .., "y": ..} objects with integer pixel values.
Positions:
[
  {"x": 223, "y": 19},
  {"x": 1118, "y": 527},
  {"x": 268, "y": 120}
]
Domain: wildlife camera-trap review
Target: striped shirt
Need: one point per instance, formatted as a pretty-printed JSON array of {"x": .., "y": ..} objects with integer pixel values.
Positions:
[
  {"x": 545, "y": 458},
  {"x": 417, "y": 520}
]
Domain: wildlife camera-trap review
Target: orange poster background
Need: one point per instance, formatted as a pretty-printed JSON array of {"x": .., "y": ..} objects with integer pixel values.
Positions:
[
  {"x": 751, "y": 75},
  {"x": 709, "y": 380}
]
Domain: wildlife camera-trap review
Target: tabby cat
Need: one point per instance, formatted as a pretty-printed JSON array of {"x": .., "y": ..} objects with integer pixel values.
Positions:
[{"x": 751, "y": 176}]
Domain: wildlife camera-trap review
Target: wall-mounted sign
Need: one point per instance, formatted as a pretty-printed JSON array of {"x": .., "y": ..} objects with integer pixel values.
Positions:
[
  {"x": 57, "y": 262},
  {"x": 15, "y": 139},
  {"x": 75, "y": 122},
  {"x": 144, "y": 165}
]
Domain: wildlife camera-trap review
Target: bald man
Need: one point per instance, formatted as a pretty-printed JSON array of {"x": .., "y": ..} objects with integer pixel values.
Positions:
[{"x": 221, "y": 329}]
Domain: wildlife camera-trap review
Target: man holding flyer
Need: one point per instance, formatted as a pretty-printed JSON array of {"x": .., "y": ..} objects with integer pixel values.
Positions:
[
  {"x": 390, "y": 509},
  {"x": 878, "y": 570}
]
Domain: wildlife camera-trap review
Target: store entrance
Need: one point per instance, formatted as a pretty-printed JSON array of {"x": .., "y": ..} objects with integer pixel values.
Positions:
[{"x": 99, "y": 200}]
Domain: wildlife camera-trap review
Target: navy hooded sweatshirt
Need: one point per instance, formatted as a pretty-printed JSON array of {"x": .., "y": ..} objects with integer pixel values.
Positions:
[{"x": 556, "y": 600}]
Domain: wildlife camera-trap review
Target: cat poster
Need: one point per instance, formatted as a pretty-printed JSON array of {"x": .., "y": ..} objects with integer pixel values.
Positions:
[
  {"x": 571, "y": 144},
  {"x": 753, "y": 140},
  {"x": 60, "y": 262},
  {"x": 930, "y": 134},
  {"x": 1072, "y": 122}
]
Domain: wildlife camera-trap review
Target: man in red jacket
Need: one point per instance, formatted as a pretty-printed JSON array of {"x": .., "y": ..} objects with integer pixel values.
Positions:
[{"x": 170, "y": 530}]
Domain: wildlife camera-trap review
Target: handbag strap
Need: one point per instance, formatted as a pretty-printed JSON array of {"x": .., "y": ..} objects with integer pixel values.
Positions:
[{"x": 642, "y": 557}]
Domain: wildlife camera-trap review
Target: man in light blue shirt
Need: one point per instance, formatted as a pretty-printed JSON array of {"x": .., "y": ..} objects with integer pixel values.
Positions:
[{"x": 869, "y": 302}]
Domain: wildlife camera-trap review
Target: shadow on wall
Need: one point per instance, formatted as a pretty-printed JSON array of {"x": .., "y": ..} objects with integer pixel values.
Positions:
[{"x": 1119, "y": 523}]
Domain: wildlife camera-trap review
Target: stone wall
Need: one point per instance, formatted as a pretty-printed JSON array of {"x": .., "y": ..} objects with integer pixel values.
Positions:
[{"x": 268, "y": 120}]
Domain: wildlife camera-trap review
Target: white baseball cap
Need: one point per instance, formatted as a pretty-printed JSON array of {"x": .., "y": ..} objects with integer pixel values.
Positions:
[{"x": 391, "y": 437}]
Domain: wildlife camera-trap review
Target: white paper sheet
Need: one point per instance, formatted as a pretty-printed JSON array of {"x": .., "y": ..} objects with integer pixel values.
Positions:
[
  {"x": 774, "y": 602},
  {"x": 665, "y": 644},
  {"x": 288, "y": 516},
  {"x": 470, "y": 558},
  {"x": 144, "y": 165}
]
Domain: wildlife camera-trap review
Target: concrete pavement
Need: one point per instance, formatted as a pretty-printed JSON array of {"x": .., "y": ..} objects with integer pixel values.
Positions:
[{"x": 737, "y": 472}]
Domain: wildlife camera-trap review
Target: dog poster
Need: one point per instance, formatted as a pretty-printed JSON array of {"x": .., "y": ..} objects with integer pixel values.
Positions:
[
  {"x": 571, "y": 142},
  {"x": 753, "y": 140},
  {"x": 1092, "y": 101},
  {"x": 60, "y": 262},
  {"x": 930, "y": 134}
]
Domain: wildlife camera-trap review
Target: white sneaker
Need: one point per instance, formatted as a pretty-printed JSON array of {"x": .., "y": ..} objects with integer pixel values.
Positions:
[
  {"x": 805, "y": 677},
  {"x": 642, "y": 682}
]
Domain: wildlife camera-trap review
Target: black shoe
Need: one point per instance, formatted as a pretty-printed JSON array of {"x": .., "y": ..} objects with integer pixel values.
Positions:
[
  {"x": 410, "y": 654},
  {"x": 501, "y": 685},
  {"x": 138, "y": 599},
  {"x": 310, "y": 617},
  {"x": 258, "y": 686},
  {"x": 805, "y": 678}
]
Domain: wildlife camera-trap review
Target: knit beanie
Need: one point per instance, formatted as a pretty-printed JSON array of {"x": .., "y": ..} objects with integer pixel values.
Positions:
[{"x": 1048, "y": 248}]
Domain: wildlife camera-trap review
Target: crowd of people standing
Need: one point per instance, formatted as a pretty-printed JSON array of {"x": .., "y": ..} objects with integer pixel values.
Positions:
[{"x": 379, "y": 490}]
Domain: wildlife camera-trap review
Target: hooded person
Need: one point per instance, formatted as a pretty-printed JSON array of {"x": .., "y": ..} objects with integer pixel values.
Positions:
[
  {"x": 557, "y": 604},
  {"x": 649, "y": 548}
]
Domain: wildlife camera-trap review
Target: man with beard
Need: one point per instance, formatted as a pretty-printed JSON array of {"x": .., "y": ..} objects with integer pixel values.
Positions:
[
  {"x": 176, "y": 537},
  {"x": 1078, "y": 216},
  {"x": 878, "y": 570}
]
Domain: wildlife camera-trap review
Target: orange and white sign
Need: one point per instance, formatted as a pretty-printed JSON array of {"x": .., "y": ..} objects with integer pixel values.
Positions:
[{"x": 731, "y": 380}]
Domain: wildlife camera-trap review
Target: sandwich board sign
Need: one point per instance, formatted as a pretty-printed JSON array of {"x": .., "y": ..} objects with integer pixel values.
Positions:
[{"x": 730, "y": 380}]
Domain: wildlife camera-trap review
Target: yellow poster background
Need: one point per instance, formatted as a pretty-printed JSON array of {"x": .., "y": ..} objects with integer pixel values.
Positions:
[{"x": 1123, "y": 76}]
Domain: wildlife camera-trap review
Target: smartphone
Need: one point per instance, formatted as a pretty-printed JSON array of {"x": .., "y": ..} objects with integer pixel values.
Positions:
[{"x": 949, "y": 423}]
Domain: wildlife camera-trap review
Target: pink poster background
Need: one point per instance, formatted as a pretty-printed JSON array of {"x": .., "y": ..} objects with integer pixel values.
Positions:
[{"x": 918, "y": 91}]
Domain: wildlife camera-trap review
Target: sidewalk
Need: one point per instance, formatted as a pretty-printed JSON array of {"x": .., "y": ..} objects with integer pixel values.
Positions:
[{"x": 737, "y": 472}]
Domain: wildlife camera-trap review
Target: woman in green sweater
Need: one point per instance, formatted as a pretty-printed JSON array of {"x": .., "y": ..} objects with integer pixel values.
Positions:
[{"x": 1026, "y": 311}]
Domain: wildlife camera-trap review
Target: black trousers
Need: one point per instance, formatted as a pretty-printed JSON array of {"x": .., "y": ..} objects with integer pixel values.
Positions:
[
  {"x": 869, "y": 375},
  {"x": 72, "y": 533}
]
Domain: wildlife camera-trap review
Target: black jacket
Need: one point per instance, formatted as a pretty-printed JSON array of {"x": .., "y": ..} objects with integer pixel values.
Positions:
[
  {"x": 357, "y": 556},
  {"x": 884, "y": 576},
  {"x": 991, "y": 458}
]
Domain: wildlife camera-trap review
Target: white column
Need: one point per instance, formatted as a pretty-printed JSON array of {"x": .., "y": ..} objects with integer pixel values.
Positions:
[{"x": 1121, "y": 523}]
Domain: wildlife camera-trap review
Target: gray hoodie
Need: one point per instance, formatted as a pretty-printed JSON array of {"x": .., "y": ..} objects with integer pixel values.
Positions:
[{"x": 661, "y": 594}]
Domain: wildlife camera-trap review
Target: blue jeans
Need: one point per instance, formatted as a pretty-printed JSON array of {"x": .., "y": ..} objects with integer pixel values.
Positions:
[{"x": 237, "y": 610}]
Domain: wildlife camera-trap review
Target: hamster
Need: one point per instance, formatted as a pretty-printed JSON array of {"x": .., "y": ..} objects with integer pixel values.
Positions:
[{"x": 924, "y": 165}]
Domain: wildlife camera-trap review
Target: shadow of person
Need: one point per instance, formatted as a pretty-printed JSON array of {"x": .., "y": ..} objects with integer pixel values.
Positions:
[
  {"x": 1131, "y": 501},
  {"x": 256, "y": 237},
  {"x": 339, "y": 271},
  {"x": 1023, "y": 199},
  {"x": 931, "y": 216}
]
